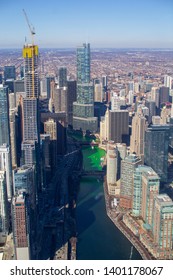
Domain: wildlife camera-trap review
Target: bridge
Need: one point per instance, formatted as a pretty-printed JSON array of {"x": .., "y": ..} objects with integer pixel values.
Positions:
[
  {"x": 92, "y": 173},
  {"x": 86, "y": 143}
]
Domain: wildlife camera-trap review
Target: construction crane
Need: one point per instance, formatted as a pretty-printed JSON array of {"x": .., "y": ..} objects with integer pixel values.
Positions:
[
  {"x": 32, "y": 31},
  {"x": 31, "y": 28}
]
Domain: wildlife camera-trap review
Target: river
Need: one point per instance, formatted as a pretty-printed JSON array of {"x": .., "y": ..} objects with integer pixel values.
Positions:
[{"x": 98, "y": 238}]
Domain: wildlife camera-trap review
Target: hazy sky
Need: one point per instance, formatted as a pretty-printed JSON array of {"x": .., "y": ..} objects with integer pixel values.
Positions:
[{"x": 104, "y": 23}]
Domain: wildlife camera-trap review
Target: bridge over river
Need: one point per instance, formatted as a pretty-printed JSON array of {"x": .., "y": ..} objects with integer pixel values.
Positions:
[{"x": 92, "y": 173}]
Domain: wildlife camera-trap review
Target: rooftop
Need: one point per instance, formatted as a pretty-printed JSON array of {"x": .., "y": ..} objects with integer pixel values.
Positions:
[{"x": 164, "y": 199}]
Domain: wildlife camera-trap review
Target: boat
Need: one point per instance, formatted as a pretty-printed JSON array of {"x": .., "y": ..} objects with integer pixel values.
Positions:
[
  {"x": 131, "y": 253},
  {"x": 99, "y": 195}
]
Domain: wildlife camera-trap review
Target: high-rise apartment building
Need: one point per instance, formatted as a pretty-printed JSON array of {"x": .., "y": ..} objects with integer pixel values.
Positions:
[
  {"x": 5, "y": 165},
  {"x": 83, "y": 108},
  {"x": 112, "y": 162},
  {"x": 155, "y": 95},
  {"x": 151, "y": 105},
  {"x": 30, "y": 112},
  {"x": 60, "y": 99},
  {"x": 62, "y": 76},
  {"x": 150, "y": 188},
  {"x": 50, "y": 128},
  {"x": 104, "y": 127},
  {"x": 30, "y": 126},
  {"x": 29, "y": 151},
  {"x": 49, "y": 79},
  {"x": 128, "y": 166},
  {"x": 30, "y": 55},
  {"x": 21, "y": 227},
  {"x": 162, "y": 226},
  {"x": 163, "y": 95},
  {"x": 118, "y": 123},
  {"x": 117, "y": 102},
  {"x": 168, "y": 81},
  {"x": 137, "y": 189},
  {"x": 105, "y": 83},
  {"x": 71, "y": 89},
  {"x": 23, "y": 181},
  {"x": 4, "y": 213},
  {"x": 156, "y": 149},
  {"x": 138, "y": 134},
  {"x": 9, "y": 72},
  {"x": 98, "y": 93},
  {"x": 13, "y": 137}
]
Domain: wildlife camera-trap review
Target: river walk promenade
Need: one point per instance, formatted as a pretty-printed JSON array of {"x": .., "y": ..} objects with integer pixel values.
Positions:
[{"x": 116, "y": 216}]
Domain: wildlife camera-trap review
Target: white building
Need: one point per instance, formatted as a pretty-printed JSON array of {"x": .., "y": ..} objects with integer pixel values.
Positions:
[
  {"x": 5, "y": 165},
  {"x": 111, "y": 167}
]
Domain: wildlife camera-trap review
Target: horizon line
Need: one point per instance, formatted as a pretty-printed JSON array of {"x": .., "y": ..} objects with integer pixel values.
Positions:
[{"x": 60, "y": 48}]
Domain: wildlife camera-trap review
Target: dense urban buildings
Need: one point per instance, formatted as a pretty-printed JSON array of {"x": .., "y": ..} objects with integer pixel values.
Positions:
[{"x": 122, "y": 103}]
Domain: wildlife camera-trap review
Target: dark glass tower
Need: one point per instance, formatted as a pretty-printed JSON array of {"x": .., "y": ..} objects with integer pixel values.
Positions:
[
  {"x": 62, "y": 77},
  {"x": 4, "y": 116},
  {"x": 83, "y": 108},
  {"x": 156, "y": 149},
  {"x": 9, "y": 72}
]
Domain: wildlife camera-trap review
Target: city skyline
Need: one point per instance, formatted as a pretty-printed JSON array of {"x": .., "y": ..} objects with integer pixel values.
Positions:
[{"x": 114, "y": 24}]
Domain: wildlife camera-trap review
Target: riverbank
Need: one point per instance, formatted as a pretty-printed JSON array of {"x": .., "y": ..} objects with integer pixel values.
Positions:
[
  {"x": 98, "y": 238},
  {"x": 116, "y": 216}
]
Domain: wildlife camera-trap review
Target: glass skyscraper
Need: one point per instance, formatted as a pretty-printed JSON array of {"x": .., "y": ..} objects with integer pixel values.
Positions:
[
  {"x": 156, "y": 149},
  {"x": 83, "y": 108},
  {"x": 4, "y": 116},
  {"x": 9, "y": 72}
]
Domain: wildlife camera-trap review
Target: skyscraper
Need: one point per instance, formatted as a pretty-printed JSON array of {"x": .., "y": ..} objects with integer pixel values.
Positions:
[
  {"x": 4, "y": 213},
  {"x": 49, "y": 79},
  {"x": 30, "y": 55},
  {"x": 30, "y": 124},
  {"x": 112, "y": 166},
  {"x": 62, "y": 77},
  {"x": 168, "y": 81},
  {"x": 71, "y": 89},
  {"x": 5, "y": 165},
  {"x": 128, "y": 166},
  {"x": 156, "y": 149},
  {"x": 150, "y": 188},
  {"x": 23, "y": 181},
  {"x": 83, "y": 108},
  {"x": 30, "y": 112},
  {"x": 4, "y": 116},
  {"x": 138, "y": 135},
  {"x": 137, "y": 189},
  {"x": 163, "y": 95},
  {"x": 151, "y": 105},
  {"x": 50, "y": 128},
  {"x": 13, "y": 137},
  {"x": 162, "y": 225},
  {"x": 9, "y": 72},
  {"x": 21, "y": 227},
  {"x": 118, "y": 125}
]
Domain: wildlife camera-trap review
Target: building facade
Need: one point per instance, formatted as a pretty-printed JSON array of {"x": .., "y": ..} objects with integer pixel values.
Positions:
[
  {"x": 4, "y": 116},
  {"x": 128, "y": 166},
  {"x": 83, "y": 108},
  {"x": 156, "y": 149}
]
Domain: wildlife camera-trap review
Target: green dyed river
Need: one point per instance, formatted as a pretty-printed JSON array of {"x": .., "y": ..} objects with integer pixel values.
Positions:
[{"x": 98, "y": 238}]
